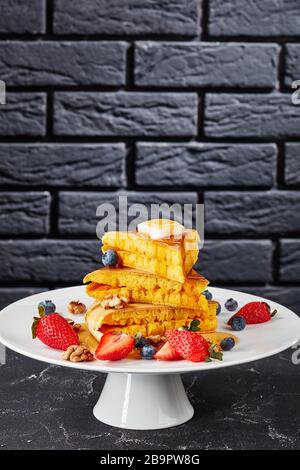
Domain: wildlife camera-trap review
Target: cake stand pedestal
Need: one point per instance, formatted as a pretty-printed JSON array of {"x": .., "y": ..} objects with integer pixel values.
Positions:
[{"x": 143, "y": 401}]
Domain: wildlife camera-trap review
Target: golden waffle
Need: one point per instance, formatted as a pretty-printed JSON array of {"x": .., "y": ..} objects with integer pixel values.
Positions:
[
  {"x": 171, "y": 258},
  {"x": 143, "y": 287},
  {"x": 149, "y": 320}
]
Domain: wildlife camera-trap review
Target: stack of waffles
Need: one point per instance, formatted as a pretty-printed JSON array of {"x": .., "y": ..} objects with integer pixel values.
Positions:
[{"x": 153, "y": 288}]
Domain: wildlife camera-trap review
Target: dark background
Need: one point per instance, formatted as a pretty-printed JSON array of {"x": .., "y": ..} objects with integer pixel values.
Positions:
[
  {"x": 167, "y": 100},
  {"x": 170, "y": 100}
]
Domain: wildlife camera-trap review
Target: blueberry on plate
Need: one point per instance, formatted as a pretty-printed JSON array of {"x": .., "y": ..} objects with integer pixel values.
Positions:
[
  {"x": 231, "y": 305},
  {"x": 218, "y": 309},
  {"x": 46, "y": 307},
  {"x": 147, "y": 352},
  {"x": 110, "y": 258},
  {"x": 140, "y": 341},
  {"x": 227, "y": 343},
  {"x": 238, "y": 323},
  {"x": 208, "y": 294}
]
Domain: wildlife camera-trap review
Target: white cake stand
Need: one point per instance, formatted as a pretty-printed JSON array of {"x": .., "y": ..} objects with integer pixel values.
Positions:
[{"x": 147, "y": 394}]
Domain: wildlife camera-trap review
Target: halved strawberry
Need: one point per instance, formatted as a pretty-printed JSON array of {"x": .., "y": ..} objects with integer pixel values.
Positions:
[
  {"x": 255, "y": 312},
  {"x": 189, "y": 345},
  {"x": 167, "y": 353},
  {"x": 113, "y": 347}
]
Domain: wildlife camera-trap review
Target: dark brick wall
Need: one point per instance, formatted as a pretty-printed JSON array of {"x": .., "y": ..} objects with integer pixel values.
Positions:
[{"x": 165, "y": 100}]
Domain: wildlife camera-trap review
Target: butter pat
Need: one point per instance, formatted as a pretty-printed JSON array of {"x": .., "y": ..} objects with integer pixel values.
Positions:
[{"x": 158, "y": 229}]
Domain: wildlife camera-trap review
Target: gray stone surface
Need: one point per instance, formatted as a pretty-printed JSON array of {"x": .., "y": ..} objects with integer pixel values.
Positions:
[
  {"x": 236, "y": 261},
  {"x": 77, "y": 210},
  {"x": 292, "y": 164},
  {"x": 254, "y": 18},
  {"x": 245, "y": 407},
  {"x": 62, "y": 63},
  {"x": 21, "y": 16},
  {"x": 24, "y": 213},
  {"x": 128, "y": 114},
  {"x": 205, "y": 165},
  {"x": 205, "y": 64},
  {"x": 252, "y": 213},
  {"x": 289, "y": 259},
  {"x": 40, "y": 261},
  {"x": 127, "y": 17},
  {"x": 251, "y": 115},
  {"x": 23, "y": 114},
  {"x": 64, "y": 164}
]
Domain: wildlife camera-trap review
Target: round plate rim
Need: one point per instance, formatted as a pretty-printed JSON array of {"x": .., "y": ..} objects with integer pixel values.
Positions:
[{"x": 151, "y": 367}]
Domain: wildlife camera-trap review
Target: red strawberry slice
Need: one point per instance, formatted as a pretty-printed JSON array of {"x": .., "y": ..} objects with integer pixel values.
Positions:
[
  {"x": 255, "y": 312},
  {"x": 113, "y": 347},
  {"x": 54, "y": 331},
  {"x": 167, "y": 353},
  {"x": 189, "y": 344}
]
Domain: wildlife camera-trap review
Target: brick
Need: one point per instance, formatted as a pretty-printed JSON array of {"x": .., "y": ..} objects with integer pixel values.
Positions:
[
  {"x": 48, "y": 260},
  {"x": 127, "y": 17},
  {"x": 21, "y": 16},
  {"x": 205, "y": 164},
  {"x": 62, "y": 164},
  {"x": 284, "y": 295},
  {"x": 253, "y": 213},
  {"x": 289, "y": 260},
  {"x": 23, "y": 114},
  {"x": 251, "y": 115},
  {"x": 254, "y": 18},
  {"x": 128, "y": 114},
  {"x": 292, "y": 164},
  {"x": 9, "y": 295},
  {"x": 205, "y": 64},
  {"x": 62, "y": 63},
  {"x": 236, "y": 261},
  {"x": 77, "y": 210},
  {"x": 292, "y": 67},
  {"x": 24, "y": 213}
]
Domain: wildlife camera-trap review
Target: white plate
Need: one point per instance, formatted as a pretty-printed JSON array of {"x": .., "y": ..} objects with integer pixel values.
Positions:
[
  {"x": 131, "y": 383},
  {"x": 256, "y": 341}
]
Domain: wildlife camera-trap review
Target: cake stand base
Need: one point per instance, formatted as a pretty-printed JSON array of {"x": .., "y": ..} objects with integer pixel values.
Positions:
[{"x": 143, "y": 401}]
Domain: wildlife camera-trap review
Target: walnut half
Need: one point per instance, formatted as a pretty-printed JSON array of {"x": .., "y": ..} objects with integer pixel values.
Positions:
[
  {"x": 114, "y": 301},
  {"x": 76, "y": 326},
  {"x": 77, "y": 353},
  {"x": 76, "y": 307}
]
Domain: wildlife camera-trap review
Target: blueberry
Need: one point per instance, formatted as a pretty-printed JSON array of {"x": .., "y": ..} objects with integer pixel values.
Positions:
[
  {"x": 147, "y": 352},
  {"x": 110, "y": 258},
  {"x": 207, "y": 294},
  {"x": 218, "y": 309},
  {"x": 231, "y": 305},
  {"x": 140, "y": 341},
  {"x": 46, "y": 307},
  {"x": 238, "y": 323},
  {"x": 227, "y": 343}
]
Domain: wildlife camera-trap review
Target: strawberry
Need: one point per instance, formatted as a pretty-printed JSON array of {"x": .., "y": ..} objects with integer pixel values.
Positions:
[
  {"x": 167, "y": 353},
  {"x": 114, "y": 346},
  {"x": 255, "y": 312},
  {"x": 54, "y": 331},
  {"x": 189, "y": 344}
]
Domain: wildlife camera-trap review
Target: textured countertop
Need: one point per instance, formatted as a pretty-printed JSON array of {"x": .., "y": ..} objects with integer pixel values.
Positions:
[{"x": 246, "y": 407}]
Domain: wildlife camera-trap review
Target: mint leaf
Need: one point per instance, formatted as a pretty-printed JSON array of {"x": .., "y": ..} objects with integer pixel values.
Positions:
[
  {"x": 217, "y": 355},
  {"x": 194, "y": 326},
  {"x": 208, "y": 359}
]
